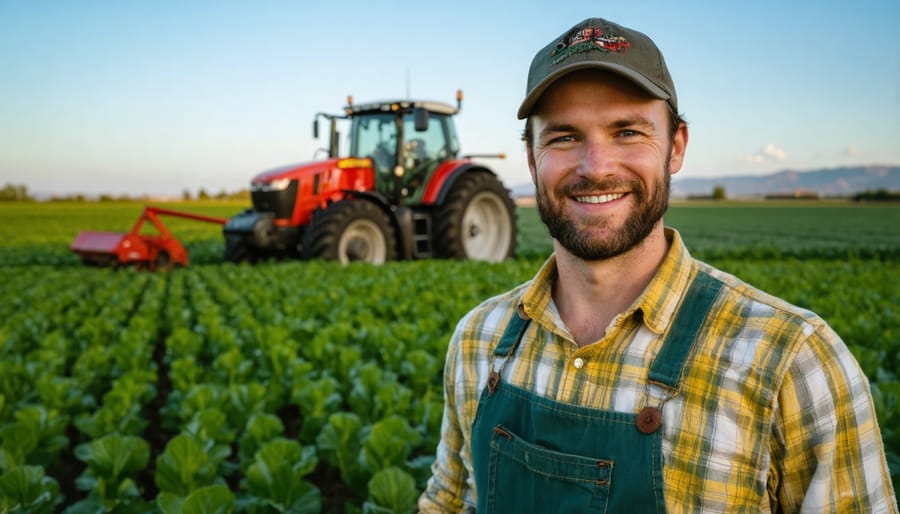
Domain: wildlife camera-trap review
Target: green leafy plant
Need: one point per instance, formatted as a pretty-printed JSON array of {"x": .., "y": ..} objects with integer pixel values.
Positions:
[
  {"x": 391, "y": 491},
  {"x": 49, "y": 426},
  {"x": 211, "y": 499},
  {"x": 184, "y": 372},
  {"x": 247, "y": 399},
  {"x": 182, "y": 342},
  {"x": 387, "y": 443},
  {"x": 211, "y": 429},
  {"x": 62, "y": 394},
  {"x": 35, "y": 437},
  {"x": 421, "y": 368},
  {"x": 112, "y": 463},
  {"x": 232, "y": 367},
  {"x": 376, "y": 393},
  {"x": 18, "y": 441},
  {"x": 317, "y": 400},
  {"x": 339, "y": 444},
  {"x": 182, "y": 405},
  {"x": 260, "y": 429},
  {"x": 122, "y": 408},
  {"x": 26, "y": 490},
  {"x": 185, "y": 467},
  {"x": 275, "y": 479}
]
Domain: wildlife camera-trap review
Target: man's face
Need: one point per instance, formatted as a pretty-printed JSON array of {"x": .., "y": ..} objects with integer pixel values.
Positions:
[{"x": 601, "y": 158}]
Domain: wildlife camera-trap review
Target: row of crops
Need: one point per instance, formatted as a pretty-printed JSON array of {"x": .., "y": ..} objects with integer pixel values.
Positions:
[
  {"x": 311, "y": 387},
  {"x": 259, "y": 380}
]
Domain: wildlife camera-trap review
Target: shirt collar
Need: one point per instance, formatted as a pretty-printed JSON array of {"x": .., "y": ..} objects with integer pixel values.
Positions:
[
  {"x": 662, "y": 296},
  {"x": 657, "y": 303}
]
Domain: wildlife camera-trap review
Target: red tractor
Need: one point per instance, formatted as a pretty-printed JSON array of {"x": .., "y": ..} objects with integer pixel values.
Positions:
[{"x": 398, "y": 190}]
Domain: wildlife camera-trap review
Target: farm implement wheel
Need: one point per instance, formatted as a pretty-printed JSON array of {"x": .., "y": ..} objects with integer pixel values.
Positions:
[
  {"x": 163, "y": 262},
  {"x": 477, "y": 220},
  {"x": 348, "y": 231}
]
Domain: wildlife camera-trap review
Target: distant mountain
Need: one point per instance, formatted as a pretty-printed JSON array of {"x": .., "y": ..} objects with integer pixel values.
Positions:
[{"x": 822, "y": 182}]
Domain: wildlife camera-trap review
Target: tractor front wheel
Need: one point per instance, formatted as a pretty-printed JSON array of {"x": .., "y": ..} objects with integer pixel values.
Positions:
[
  {"x": 476, "y": 221},
  {"x": 238, "y": 250},
  {"x": 349, "y": 231}
]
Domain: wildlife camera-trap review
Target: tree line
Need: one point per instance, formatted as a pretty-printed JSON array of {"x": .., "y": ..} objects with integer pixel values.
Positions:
[{"x": 19, "y": 193}]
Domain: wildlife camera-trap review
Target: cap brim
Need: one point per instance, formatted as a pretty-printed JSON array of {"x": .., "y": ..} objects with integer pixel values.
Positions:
[{"x": 641, "y": 81}]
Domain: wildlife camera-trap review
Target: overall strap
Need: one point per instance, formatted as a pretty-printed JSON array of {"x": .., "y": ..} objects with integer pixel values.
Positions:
[
  {"x": 512, "y": 335},
  {"x": 667, "y": 366},
  {"x": 507, "y": 345}
]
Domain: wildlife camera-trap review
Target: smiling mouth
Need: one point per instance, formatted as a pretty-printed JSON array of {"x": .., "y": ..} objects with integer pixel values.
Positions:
[{"x": 597, "y": 199}]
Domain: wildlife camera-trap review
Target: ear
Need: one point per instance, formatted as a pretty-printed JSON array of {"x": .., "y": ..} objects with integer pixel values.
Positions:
[
  {"x": 529, "y": 153},
  {"x": 679, "y": 147}
]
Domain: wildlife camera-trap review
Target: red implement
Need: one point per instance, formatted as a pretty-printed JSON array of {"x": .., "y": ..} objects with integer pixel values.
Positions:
[{"x": 155, "y": 251}]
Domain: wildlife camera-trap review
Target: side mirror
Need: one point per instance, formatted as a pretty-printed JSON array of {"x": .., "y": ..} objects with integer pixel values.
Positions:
[
  {"x": 421, "y": 119},
  {"x": 316, "y": 128}
]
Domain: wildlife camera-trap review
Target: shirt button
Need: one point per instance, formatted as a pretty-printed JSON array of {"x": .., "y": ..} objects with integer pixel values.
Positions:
[{"x": 579, "y": 363}]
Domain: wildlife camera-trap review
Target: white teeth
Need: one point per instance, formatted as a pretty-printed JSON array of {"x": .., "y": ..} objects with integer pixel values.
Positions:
[{"x": 599, "y": 198}]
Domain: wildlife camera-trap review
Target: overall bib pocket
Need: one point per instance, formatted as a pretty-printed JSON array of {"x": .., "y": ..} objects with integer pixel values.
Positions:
[{"x": 525, "y": 477}]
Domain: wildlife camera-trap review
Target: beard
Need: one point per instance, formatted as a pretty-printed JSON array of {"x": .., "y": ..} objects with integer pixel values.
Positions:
[{"x": 577, "y": 239}]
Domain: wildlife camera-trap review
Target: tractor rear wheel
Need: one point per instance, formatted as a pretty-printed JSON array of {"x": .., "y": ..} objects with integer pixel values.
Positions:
[
  {"x": 349, "y": 231},
  {"x": 476, "y": 221}
]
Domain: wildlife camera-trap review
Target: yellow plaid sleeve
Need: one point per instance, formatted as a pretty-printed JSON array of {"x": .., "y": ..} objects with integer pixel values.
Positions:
[
  {"x": 447, "y": 485},
  {"x": 827, "y": 451}
]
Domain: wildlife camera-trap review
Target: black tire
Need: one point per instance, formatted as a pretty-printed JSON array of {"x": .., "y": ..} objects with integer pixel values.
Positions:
[
  {"x": 477, "y": 220},
  {"x": 348, "y": 231},
  {"x": 237, "y": 250}
]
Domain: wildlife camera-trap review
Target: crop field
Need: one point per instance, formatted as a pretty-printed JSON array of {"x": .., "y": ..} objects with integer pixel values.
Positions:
[{"x": 311, "y": 387}]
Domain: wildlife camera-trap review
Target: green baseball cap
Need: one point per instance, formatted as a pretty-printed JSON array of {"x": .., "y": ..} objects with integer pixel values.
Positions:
[{"x": 600, "y": 44}]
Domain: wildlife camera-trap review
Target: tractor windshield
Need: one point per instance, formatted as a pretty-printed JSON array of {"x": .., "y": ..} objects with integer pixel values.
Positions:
[
  {"x": 375, "y": 136},
  {"x": 437, "y": 143}
]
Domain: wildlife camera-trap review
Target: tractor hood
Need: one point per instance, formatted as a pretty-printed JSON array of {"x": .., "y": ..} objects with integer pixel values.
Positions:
[
  {"x": 279, "y": 178},
  {"x": 294, "y": 191}
]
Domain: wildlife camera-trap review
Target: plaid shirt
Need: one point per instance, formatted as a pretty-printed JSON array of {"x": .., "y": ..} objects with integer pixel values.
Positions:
[{"x": 773, "y": 413}]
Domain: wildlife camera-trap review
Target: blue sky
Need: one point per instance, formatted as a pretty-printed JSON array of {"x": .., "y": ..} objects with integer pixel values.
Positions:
[{"x": 160, "y": 96}]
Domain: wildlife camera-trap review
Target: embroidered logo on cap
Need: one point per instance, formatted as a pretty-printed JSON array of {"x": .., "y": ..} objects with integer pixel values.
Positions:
[{"x": 586, "y": 40}]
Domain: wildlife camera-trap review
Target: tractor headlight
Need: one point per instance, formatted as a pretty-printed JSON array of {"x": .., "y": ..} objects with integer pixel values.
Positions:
[{"x": 279, "y": 184}]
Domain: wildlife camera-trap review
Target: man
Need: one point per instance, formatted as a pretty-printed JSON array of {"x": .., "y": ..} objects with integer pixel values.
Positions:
[{"x": 627, "y": 376}]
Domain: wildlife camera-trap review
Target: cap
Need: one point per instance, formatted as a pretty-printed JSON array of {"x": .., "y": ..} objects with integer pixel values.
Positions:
[{"x": 596, "y": 43}]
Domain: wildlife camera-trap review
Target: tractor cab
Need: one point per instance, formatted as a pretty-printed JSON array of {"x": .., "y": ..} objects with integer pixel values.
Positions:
[{"x": 405, "y": 140}]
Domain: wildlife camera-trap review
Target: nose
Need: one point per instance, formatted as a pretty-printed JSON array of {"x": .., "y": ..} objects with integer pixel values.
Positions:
[{"x": 597, "y": 158}]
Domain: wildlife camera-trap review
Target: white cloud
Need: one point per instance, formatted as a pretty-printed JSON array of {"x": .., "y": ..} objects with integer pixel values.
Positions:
[
  {"x": 852, "y": 151},
  {"x": 773, "y": 152},
  {"x": 768, "y": 153}
]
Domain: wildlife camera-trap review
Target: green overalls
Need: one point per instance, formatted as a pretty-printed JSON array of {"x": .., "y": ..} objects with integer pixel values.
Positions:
[{"x": 532, "y": 454}]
